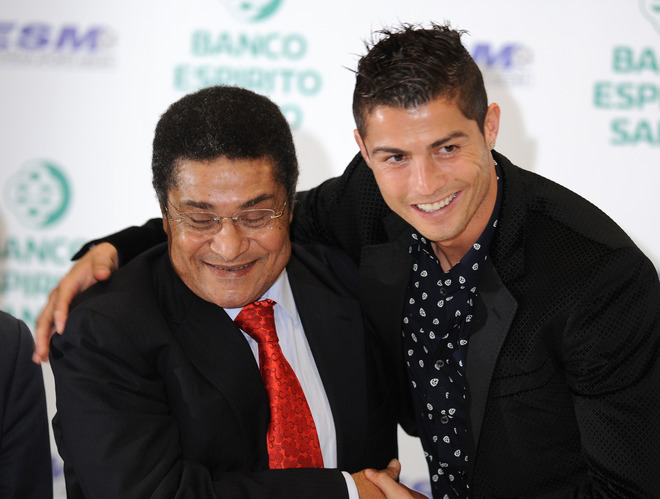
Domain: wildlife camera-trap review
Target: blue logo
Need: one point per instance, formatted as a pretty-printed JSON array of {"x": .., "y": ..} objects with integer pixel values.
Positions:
[
  {"x": 251, "y": 11},
  {"x": 509, "y": 63},
  {"x": 45, "y": 44},
  {"x": 38, "y": 194}
]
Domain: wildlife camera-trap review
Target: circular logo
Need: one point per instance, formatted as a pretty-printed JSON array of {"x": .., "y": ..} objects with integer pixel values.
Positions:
[
  {"x": 38, "y": 194},
  {"x": 252, "y": 11},
  {"x": 651, "y": 10}
]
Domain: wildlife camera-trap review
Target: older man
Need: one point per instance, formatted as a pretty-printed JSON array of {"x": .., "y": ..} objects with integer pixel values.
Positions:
[{"x": 171, "y": 381}]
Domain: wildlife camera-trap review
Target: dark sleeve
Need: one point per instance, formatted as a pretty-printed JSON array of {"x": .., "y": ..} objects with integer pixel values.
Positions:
[
  {"x": 612, "y": 364},
  {"x": 131, "y": 241},
  {"x": 25, "y": 461},
  {"x": 118, "y": 436},
  {"x": 345, "y": 212}
]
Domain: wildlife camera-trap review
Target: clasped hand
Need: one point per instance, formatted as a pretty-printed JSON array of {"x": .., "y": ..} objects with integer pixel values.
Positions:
[{"x": 383, "y": 484}]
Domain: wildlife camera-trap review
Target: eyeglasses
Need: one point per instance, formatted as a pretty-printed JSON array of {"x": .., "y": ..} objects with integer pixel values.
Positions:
[{"x": 206, "y": 223}]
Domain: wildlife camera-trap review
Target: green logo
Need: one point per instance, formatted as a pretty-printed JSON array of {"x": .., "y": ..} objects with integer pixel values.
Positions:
[
  {"x": 651, "y": 10},
  {"x": 251, "y": 11},
  {"x": 38, "y": 194}
]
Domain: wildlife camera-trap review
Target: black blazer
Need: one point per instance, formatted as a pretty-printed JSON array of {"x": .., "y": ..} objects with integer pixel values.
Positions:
[
  {"x": 158, "y": 393},
  {"x": 25, "y": 462},
  {"x": 563, "y": 364}
]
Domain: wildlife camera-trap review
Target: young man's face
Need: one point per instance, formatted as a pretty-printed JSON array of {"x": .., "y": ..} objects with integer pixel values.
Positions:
[
  {"x": 230, "y": 267},
  {"x": 434, "y": 169}
]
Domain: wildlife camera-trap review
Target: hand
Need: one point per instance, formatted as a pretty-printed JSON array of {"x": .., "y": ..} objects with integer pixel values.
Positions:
[
  {"x": 97, "y": 264},
  {"x": 387, "y": 484},
  {"x": 366, "y": 489}
]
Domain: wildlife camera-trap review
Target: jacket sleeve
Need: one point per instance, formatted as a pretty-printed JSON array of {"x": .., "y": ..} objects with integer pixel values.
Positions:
[
  {"x": 130, "y": 241},
  {"x": 345, "y": 212},
  {"x": 612, "y": 365},
  {"x": 118, "y": 435},
  {"x": 25, "y": 461}
]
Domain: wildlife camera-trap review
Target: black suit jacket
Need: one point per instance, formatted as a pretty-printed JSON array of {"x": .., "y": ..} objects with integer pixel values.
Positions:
[
  {"x": 25, "y": 462},
  {"x": 159, "y": 395},
  {"x": 563, "y": 364}
]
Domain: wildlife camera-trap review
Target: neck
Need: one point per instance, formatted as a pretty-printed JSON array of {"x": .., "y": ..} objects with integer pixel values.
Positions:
[{"x": 449, "y": 256}]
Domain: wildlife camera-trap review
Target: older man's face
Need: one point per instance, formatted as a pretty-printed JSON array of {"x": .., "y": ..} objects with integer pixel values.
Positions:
[{"x": 231, "y": 267}]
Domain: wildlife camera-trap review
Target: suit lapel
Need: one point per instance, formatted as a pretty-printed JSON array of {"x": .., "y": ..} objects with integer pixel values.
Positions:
[
  {"x": 334, "y": 332},
  {"x": 495, "y": 309},
  {"x": 217, "y": 349}
]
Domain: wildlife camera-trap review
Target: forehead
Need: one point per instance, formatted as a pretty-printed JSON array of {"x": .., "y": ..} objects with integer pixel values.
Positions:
[
  {"x": 222, "y": 180},
  {"x": 428, "y": 121},
  {"x": 440, "y": 108}
]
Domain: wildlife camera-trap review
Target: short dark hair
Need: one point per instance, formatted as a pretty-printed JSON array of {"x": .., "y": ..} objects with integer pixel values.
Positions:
[
  {"x": 409, "y": 66},
  {"x": 222, "y": 121}
]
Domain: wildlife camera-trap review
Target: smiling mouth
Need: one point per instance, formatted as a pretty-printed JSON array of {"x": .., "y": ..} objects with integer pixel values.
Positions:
[
  {"x": 230, "y": 269},
  {"x": 431, "y": 207}
]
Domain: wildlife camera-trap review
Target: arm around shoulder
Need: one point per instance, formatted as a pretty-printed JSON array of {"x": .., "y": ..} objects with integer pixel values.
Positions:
[
  {"x": 345, "y": 212},
  {"x": 131, "y": 241}
]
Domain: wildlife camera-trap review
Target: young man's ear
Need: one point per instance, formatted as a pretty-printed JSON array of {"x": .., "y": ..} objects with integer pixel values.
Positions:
[
  {"x": 363, "y": 148},
  {"x": 492, "y": 124}
]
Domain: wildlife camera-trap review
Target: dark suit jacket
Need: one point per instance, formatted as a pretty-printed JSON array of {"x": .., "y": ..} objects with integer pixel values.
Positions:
[
  {"x": 25, "y": 462},
  {"x": 563, "y": 364},
  {"x": 564, "y": 356},
  {"x": 159, "y": 395}
]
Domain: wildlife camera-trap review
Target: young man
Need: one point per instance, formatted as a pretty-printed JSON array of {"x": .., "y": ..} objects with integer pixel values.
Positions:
[
  {"x": 224, "y": 363},
  {"x": 526, "y": 324}
]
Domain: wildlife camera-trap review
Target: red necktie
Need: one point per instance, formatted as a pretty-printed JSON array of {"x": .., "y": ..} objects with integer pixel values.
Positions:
[{"x": 292, "y": 439}]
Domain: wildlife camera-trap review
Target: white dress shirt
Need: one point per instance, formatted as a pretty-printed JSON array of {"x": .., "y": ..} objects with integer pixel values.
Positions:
[{"x": 295, "y": 348}]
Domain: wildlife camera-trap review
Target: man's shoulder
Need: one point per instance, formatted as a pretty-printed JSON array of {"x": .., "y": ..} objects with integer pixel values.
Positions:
[
  {"x": 554, "y": 235},
  {"x": 131, "y": 286},
  {"x": 15, "y": 337},
  {"x": 123, "y": 314},
  {"x": 9, "y": 325},
  {"x": 552, "y": 211}
]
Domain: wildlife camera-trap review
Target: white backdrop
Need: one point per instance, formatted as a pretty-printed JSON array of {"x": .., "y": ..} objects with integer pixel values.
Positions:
[{"x": 83, "y": 82}]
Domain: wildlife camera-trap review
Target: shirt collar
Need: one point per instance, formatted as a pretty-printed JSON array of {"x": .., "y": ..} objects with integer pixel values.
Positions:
[{"x": 280, "y": 292}]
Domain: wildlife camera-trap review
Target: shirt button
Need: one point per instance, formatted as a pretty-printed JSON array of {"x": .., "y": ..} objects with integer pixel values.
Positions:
[{"x": 444, "y": 420}]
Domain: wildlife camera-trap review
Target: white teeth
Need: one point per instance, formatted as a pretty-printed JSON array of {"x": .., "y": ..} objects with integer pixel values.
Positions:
[
  {"x": 232, "y": 269},
  {"x": 430, "y": 207}
]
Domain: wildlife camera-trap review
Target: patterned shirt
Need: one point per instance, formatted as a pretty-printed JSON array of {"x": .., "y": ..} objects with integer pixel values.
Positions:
[{"x": 435, "y": 330}]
